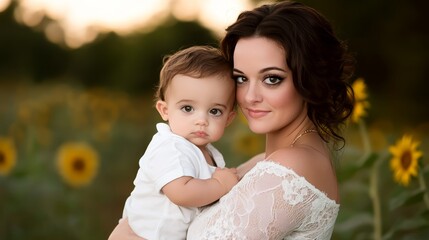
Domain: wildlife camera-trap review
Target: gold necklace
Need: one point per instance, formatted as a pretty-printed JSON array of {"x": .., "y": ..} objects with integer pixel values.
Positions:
[{"x": 302, "y": 134}]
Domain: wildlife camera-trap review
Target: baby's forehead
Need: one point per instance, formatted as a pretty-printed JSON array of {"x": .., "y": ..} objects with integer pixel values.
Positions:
[{"x": 186, "y": 84}]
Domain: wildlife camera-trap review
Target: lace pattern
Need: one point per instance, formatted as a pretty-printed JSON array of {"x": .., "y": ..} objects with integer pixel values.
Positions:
[{"x": 270, "y": 202}]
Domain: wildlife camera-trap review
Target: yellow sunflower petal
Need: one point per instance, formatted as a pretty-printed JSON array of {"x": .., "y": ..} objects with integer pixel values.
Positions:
[
  {"x": 359, "y": 88},
  {"x": 360, "y": 97},
  {"x": 404, "y": 179},
  {"x": 404, "y": 162},
  {"x": 77, "y": 163},
  {"x": 7, "y": 155}
]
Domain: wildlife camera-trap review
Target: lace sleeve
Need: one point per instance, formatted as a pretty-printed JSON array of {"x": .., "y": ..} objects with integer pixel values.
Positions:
[{"x": 270, "y": 202}]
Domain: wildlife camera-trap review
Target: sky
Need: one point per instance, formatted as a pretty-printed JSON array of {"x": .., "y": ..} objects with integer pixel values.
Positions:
[{"x": 77, "y": 22}]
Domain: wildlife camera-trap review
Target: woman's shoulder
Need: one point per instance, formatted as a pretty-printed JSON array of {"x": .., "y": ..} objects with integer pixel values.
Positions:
[
  {"x": 300, "y": 157},
  {"x": 311, "y": 164}
]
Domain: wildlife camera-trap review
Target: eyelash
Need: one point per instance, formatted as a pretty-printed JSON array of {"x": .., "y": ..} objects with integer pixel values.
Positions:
[
  {"x": 191, "y": 109},
  {"x": 219, "y": 112},
  {"x": 237, "y": 77},
  {"x": 278, "y": 79},
  {"x": 183, "y": 108}
]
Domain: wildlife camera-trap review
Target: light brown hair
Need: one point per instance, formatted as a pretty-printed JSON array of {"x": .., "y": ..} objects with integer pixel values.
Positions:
[{"x": 197, "y": 62}]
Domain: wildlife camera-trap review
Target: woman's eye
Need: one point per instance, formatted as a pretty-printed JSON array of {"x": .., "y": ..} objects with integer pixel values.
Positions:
[
  {"x": 215, "y": 112},
  {"x": 187, "y": 108},
  {"x": 272, "y": 80},
  {"x": 239, "y": 79}
]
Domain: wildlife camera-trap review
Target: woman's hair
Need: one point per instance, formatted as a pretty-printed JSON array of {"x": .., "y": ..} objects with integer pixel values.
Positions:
[
  {"x": 318, "y": 60},
  {"x": 196, "y": 61}
]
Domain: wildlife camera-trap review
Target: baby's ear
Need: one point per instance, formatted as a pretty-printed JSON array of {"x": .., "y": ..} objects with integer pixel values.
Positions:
[
  {"x": 161, "y": 106},
  {"x": 231, "y": 117}
]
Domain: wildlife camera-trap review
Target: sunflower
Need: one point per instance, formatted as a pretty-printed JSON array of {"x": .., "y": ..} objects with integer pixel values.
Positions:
[
  {"x": 7, "y": 155},
  {"x": 77, "y": 163},
  {"x": 404, "y": 163},
  {"x": 361, "y": 103}
]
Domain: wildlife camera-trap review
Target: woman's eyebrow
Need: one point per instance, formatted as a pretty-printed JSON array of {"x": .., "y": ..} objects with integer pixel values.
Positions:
[
  {"x": 236, "y": 70},
  {"x": 263, "y": 70},
  {"x": 272, "y": 68}
]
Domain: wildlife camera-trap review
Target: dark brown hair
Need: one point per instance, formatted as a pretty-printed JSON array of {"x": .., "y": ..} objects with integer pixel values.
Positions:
[
  {"x": 319, "y": 61},
  {"x": 196, "y": 61}
]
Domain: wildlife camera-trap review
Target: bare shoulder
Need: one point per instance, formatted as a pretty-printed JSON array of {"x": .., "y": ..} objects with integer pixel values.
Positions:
[
  {"x": 311, "y": 164},
  {"x": 303, "y": 160}
]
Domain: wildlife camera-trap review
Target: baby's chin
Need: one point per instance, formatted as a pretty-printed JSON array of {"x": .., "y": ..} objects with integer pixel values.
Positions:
[{"x": 201, "y": 143}]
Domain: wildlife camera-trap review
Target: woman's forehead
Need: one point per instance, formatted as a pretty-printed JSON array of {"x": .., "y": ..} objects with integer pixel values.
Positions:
[{"x": 258, "y": 52}]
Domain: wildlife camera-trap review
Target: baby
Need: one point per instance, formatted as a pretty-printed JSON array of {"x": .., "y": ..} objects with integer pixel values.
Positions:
[{"x": 181, "y": 170}]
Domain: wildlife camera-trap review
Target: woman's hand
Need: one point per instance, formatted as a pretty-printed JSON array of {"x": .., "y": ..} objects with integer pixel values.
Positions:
[{"x": 123, "y": 231}]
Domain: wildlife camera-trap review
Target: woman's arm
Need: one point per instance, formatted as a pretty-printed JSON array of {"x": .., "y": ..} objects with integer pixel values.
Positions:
[
  {"x": 123, "y": 231},
  {"x": 249, "y": 164}
]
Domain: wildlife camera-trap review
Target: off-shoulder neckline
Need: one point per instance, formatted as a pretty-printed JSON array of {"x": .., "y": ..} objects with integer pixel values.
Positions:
[{"x": 310, "y": 185}]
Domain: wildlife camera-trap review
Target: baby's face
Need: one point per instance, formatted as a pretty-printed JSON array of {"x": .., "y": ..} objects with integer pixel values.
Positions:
[{"x": 198, "y": 109}]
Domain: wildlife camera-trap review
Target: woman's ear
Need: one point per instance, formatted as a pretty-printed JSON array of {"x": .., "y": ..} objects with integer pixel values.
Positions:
[{"x": 161, "y": 106}]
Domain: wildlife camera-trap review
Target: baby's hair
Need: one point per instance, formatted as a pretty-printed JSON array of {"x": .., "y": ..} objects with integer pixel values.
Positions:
[{"x": 196, "y": 61}]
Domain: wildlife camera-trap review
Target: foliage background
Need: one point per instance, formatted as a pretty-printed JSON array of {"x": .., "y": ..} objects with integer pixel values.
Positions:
[{"x": 101, "y": 93}]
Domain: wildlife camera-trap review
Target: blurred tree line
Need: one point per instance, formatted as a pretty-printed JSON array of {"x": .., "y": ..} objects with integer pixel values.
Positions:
[
  {"x": 129, "y": 63},
  {"x": 389, "y": 39}
]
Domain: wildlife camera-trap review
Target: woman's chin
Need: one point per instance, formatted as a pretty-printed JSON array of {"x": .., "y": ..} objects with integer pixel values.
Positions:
[{"x": 258, "y": 128}]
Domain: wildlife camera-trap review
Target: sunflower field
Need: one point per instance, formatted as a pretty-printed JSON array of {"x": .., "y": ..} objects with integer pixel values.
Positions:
[
  {"x": 383, "y": 177},
  {"x": 75, "y": 121},
  {"x": 68, "y": 156}
]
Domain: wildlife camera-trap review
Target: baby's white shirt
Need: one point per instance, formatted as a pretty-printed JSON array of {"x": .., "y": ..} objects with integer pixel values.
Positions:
[{"x": 168, "y": 156}]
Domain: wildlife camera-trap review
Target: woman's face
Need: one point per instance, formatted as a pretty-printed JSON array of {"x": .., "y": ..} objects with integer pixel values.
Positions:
[{"x": 265, "y": 90}]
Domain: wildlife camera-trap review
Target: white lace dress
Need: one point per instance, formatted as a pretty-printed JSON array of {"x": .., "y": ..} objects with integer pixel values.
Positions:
[{"x": 270, "y": 202}]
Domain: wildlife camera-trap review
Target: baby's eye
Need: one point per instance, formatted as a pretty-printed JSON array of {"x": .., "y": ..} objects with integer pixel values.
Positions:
[
  {"x": 272, "y": 80},
  {"x": 187, "y": 108},
  {"x": 215, "y": 112},
  {"x": 239, "y": 79}
]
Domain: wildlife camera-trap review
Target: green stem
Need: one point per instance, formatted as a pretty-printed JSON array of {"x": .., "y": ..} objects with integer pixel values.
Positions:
[
  {"x": 365, "y": 141},
  {"x": 424, "y": 188},
  {"x": 373, "y": 182},
  {"x": 373, "y": 192},
  {"x": 365, "y": 138}
]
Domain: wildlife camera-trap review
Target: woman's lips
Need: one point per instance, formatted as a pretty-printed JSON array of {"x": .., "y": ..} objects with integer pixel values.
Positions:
[{"x": 255, "y": 113}]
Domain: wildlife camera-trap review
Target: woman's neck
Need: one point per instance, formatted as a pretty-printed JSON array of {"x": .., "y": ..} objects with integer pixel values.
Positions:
[{"x": 285, "y": 136}]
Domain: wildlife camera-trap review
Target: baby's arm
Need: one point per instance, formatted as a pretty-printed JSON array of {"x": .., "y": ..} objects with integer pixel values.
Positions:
[{"x": 192, "y": 192}]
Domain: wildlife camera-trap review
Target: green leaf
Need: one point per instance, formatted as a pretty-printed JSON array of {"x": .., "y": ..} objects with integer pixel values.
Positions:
[
  {"x": 350, "y": 170},
  {"x": 424, "y": 213},
  {"x": 406, "y": 225},
  {"x": 347, "y": 172},
  {"x": 406, "y": 198},
  {"x": 425, "y": 169},
  {"x": 359, "y": 220},
  {"x": 368, "y": 161}
]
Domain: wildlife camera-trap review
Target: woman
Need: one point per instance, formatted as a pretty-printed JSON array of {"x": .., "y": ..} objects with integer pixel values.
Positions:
[{"x": 291, "y": 73}]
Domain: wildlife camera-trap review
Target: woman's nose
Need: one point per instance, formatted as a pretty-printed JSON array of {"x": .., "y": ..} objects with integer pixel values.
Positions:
[{"x": 252, "y": 92}]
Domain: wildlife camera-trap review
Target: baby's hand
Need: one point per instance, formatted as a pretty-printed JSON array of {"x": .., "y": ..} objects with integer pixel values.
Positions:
[{"x": 227, "y": 177}]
